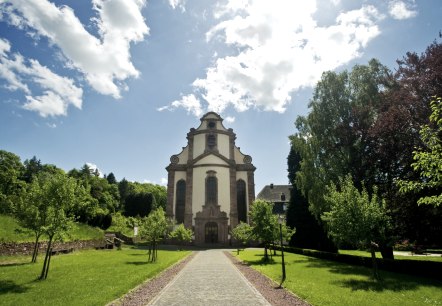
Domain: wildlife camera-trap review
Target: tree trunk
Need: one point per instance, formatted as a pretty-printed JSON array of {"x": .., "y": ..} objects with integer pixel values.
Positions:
[
  {"x": 266, "y": 256},
  {"x": 373, "y": 247},
  {"x": 35, "y": 252},
  {"x": 386, "y": 251},
  {"x": 44, "y": 273}
]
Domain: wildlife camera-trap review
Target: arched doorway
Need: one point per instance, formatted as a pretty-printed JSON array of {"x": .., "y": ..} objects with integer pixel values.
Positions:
[{"x": 211, "y": 232}]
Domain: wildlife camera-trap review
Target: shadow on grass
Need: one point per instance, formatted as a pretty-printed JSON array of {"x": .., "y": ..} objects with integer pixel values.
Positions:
[
  {"x": 9, "y": 286},
  {"x": 138, "y": 263},
  {"x": 391, "y": 284},
  {"x": 14, "y": 264}
]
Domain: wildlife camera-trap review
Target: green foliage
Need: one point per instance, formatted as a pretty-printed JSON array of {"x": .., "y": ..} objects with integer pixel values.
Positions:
[
  {"x": 153, "y": 229},
  {"x": 265, "y": 226},
  {"x": 428, "y": 162},
  {"x": 87, "y": 277},
  {"x": 332, "y": 140},
  {"x": 11, "y": 170},
  {"x": 181, "y": 234},
  {"x": 355, "y": 217},
  {"x": 243, "y": 233},
  {"x": 324, "y": 282}
]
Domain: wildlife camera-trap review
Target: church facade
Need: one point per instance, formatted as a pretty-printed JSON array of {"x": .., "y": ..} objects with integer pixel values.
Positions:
[{"x": 210, "y": 182}]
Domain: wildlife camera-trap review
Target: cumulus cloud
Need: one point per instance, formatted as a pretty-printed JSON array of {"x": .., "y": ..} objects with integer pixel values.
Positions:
[
  {"x": 105, "y": 61},
  {"x": 58, "y": 92},
  {"x": 281, "y": 49},
  {"x": 189, "y": 102},
  {"x": 401, "y": 9}
]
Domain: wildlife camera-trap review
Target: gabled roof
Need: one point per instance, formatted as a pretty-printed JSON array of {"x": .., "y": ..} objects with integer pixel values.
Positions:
[{"x": 275, "y": 193}]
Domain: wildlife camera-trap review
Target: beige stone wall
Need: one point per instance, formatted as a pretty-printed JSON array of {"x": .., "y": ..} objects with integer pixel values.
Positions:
[
  {"x": 199, "y": 145},
  {"x": 223, "y": 145}
]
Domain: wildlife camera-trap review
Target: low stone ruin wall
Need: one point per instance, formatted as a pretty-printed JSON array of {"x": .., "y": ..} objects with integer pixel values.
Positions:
[{"x": 26, "y": 248}]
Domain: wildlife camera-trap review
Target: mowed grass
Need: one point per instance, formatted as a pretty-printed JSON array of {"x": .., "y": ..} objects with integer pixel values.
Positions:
[
  {"x": 90, "y": 277},
  {"x": 9, "y": 226},
  {"x": 323, "y": 282},
  {"x": 436, "y": 257}
]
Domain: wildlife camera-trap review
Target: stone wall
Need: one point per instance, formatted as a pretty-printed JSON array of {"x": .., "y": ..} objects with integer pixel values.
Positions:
[{"x": 26, "y": 248}]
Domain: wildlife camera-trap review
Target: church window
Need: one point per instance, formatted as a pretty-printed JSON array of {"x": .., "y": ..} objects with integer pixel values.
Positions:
[
  {"x": 211, "y": 124},
  {"x": 211, "y": 141},
  {"x": 180, "y": 201},
  {"x": 241, "y": 200},
  {"x": 212, "y": 189}
]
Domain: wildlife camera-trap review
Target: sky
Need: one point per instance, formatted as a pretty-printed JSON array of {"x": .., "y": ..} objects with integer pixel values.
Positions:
[{"x": 118, "y": 84}]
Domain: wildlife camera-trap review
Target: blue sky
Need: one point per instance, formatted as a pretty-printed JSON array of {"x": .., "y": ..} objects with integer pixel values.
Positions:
[{"x": 119, "y": 83}]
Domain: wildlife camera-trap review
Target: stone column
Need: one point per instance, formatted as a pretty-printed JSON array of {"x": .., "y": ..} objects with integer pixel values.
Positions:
[
  {"x": 233, "y": 199},
  {"x": 170, "y": 193},
  {"x": 188, "y": 214},
  {"x": 250, "y": 190}
]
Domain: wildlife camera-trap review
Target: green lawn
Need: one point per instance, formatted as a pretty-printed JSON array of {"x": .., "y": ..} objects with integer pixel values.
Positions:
[
  {"x": 396, "y": 257},
  {"x": 8, "y": 233},
  {"x": 91, "y": 277},
  {"x": 323, "y": 282}
]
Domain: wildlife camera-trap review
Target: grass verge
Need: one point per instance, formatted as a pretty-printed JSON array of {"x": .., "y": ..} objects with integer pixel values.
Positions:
[
  {"x": 90, "y": 277},
  {"x": 323, "y": 282}
]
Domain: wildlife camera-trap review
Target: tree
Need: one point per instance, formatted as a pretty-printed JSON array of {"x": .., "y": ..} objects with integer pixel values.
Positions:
[
  {"x": 242, "y": 233},
  {"x": 265, "y": 226},
  {"x": 310, "y": 232},
  {"x": 428, "y": 162},
  {"x": 11, "y": 169},
  {"x": 32, "y": 167},
  {"x": 181, "y": 234},
  {"x": 154, "y": 228},
  {"x": 333, "y": 139},
  {"x": 356, "y": 218},
  {"x": 49, "y": 199},
  {"x": 111, "y": 178}
]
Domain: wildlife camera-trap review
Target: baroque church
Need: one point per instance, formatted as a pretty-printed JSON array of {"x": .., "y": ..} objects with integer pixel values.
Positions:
[{"x": 210, "y": 182}]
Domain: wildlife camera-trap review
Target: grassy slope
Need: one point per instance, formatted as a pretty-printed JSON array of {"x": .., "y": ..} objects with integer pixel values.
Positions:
[
  {"x": 323, "y": 282},
  {"x": 8, "y": 226},
  {"x": 82, "y": 278}
]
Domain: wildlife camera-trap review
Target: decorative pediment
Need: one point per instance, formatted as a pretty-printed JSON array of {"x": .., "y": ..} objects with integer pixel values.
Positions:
[{"x": 211, "y": 212}]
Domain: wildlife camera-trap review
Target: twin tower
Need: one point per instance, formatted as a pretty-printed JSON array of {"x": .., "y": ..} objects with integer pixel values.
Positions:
[{"x": 210, "y": 182}]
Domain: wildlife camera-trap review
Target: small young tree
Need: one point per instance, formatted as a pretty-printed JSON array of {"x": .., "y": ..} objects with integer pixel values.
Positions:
[
  {"x": 242, "y": 233},
  {"x": 356, "y": 218},
  {"x": 153, "y": 228},
  {"x": 181, "y": 234},
  {"x": 265, "y": 225}
]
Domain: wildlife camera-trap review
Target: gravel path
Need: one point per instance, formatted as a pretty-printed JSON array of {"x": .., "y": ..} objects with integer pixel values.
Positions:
[{"x": 148, "y": 291}]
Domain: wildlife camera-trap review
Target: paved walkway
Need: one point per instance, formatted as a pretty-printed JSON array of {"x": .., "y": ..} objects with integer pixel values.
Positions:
[{"x": 209, "y": 278}]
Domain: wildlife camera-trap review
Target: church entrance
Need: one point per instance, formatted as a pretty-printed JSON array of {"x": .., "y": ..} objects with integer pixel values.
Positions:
[{"x": 211, "y": 232}]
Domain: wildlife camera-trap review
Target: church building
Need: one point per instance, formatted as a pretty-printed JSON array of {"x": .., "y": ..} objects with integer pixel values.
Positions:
[{"x": 210, "y": 182}]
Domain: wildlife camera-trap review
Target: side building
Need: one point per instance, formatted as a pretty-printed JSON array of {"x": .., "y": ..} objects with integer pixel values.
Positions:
[
  {"x": 278, "y": 195},
  {"x": 210, "y": 182}
]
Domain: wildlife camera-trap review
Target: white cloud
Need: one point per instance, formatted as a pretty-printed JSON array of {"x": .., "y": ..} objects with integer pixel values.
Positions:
[
  {"x": 190, "y": 103},
  {"x": 58, "y": 92},
  {"x": 401, "y": 9},
  {"x": 229, "y": 119},
  {"x": 163, "y": 181},
  {"x": 178, "y": 4},
  {"x": 93, "y": 168},
  {"x": 281, "y": 49},
  {"x": 105, "y": 60}
]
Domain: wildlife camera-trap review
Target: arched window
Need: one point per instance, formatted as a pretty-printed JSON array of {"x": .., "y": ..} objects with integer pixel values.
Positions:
[
  {"x": 241, "y": 200},
  {"x": 211, "y": 189},
  {"x": 211, "y": 142},
  {"x": 180, "y": 201}
]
